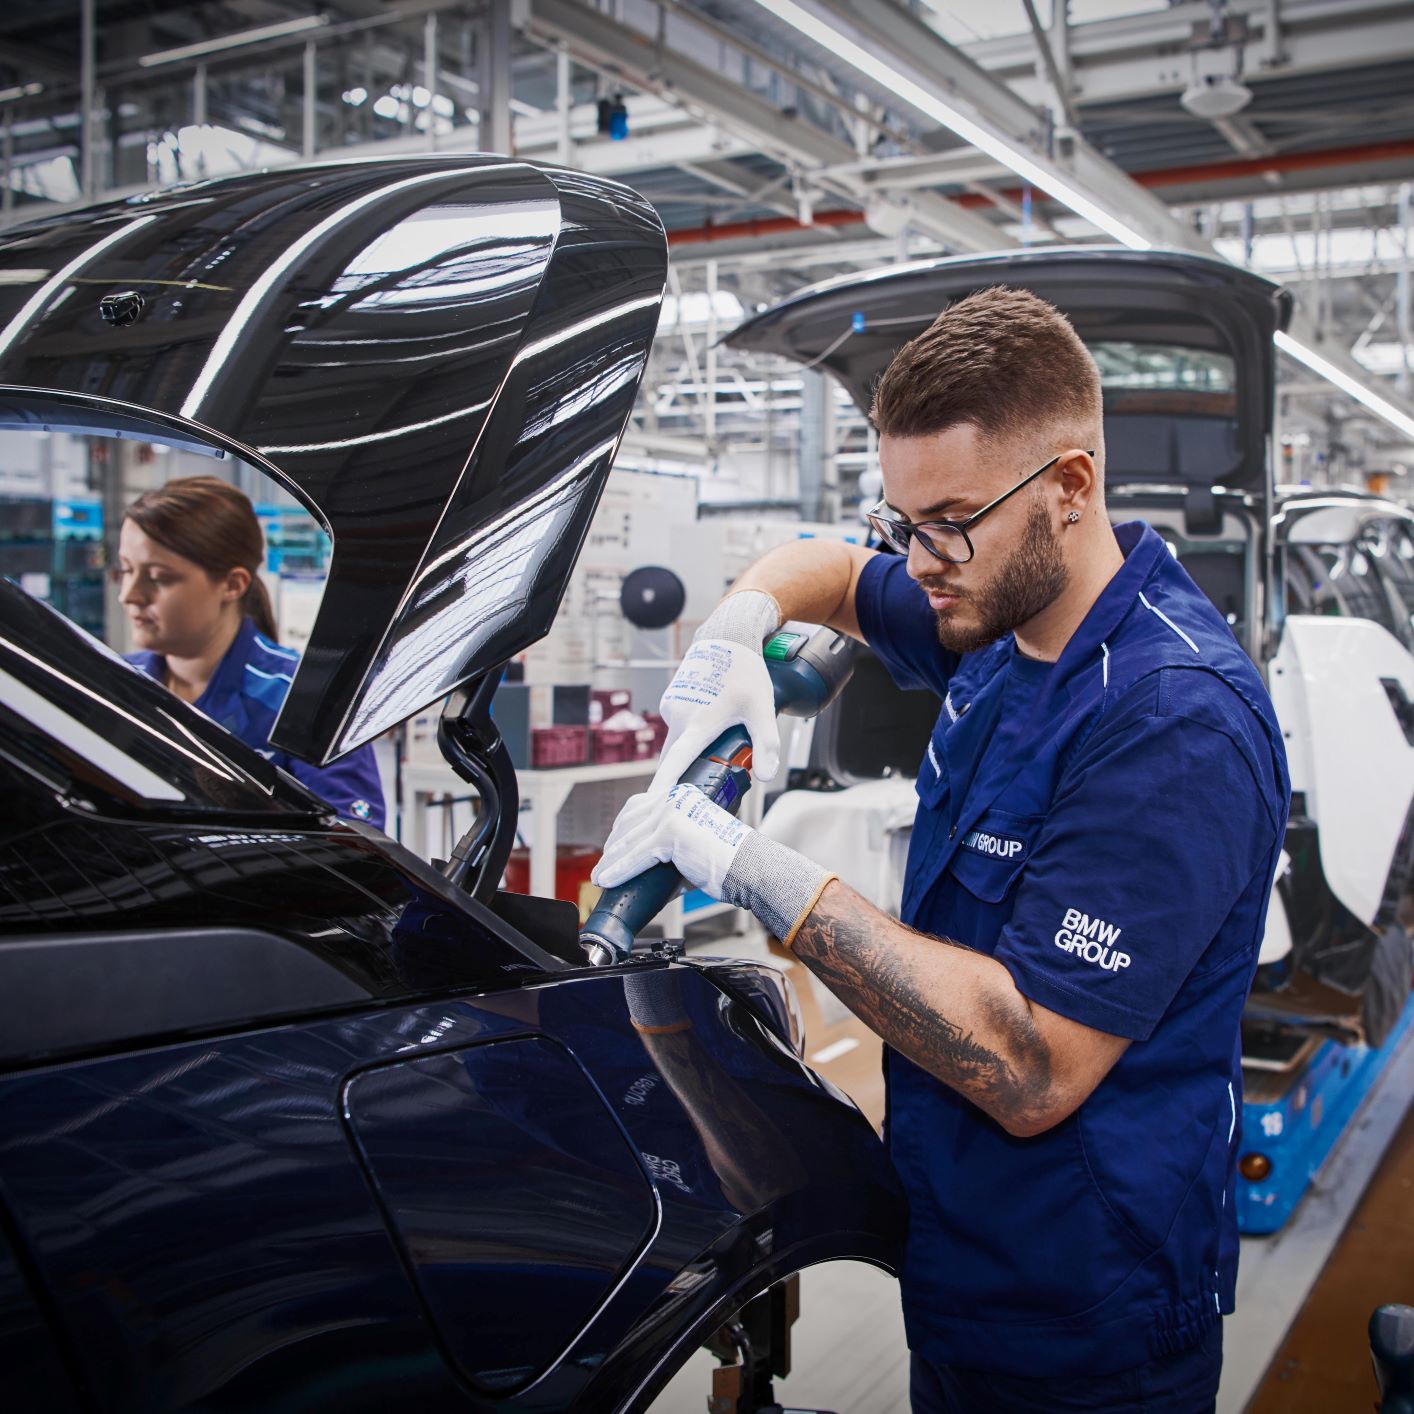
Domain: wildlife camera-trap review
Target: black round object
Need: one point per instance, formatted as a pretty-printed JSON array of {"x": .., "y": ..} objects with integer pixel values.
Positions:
[{"x": 651, "y": 596}]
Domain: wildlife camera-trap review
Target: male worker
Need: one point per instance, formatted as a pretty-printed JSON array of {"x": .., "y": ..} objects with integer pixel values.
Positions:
[{"x": 1101, "y": 807}]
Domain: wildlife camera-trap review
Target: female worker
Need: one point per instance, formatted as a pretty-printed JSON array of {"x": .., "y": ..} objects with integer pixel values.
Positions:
[{"x": 188, "y": 553}]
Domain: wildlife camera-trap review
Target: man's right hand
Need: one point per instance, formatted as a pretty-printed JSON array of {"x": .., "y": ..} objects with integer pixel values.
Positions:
[{"x": 719, "y": 684}]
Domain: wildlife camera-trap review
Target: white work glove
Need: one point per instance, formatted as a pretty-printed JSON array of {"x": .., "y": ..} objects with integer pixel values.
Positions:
[
  {"x": 723, "y": 681},
  {"x": 715, "y": 852},
  {"x": 683, "y": 827}
]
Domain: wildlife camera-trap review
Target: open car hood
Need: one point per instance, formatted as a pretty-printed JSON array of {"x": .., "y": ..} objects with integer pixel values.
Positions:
[
  {"x": 436, "y": 355},
  {"x": 1198, "y": 436}
]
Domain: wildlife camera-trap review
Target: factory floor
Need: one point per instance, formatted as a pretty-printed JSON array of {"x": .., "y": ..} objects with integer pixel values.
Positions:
[{"x": 1296, "y": 1344}]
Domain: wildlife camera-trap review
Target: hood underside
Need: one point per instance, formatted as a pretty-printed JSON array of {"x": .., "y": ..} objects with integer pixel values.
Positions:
[
  {"x": 1184, "y": 344},
  {"x": 436, "y": 355}
]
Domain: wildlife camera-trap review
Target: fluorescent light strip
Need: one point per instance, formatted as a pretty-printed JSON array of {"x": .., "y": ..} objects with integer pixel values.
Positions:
[
  {"x": 203, "y": 47},
  {"x": 984, "y": 139},
  {"x": 1381, "y": 407}
]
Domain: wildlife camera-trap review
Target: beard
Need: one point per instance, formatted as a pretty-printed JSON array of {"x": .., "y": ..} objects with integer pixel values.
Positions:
[{"x": 1029, "y": 580}]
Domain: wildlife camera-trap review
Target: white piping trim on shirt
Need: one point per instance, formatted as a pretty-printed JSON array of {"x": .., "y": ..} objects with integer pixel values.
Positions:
[
  {"x": 1169, "y": 622},
  {"x": 261, "y": 673},
  {"x": 932, "y": 756},
  {"x": 1232, "y": 1124},
  {"x": 276, "y": 649},
  {"x": 1105, "y": 665}
]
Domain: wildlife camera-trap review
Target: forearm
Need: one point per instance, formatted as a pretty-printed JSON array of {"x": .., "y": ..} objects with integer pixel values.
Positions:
[
  {"x": 954, "y": 1012},
  {"x": 811, "y": 580}
]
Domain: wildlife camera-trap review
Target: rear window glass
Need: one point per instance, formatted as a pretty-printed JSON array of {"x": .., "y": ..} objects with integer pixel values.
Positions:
[{"x": 1163, "y": 367}]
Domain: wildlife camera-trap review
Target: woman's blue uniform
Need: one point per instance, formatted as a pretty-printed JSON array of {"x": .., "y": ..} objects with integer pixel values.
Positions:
[
  {"x": 1107, "y": 827},
  {"x": 245, "y": 695}
]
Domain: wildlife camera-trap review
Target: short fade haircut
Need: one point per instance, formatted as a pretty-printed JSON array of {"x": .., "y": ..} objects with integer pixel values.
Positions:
[{"x": 1002, "y": 359}]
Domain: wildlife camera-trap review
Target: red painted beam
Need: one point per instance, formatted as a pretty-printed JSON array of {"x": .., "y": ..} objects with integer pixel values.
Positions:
[
  {"x": 1160, "y": 177},
  {"x": 763, "y": 226}
]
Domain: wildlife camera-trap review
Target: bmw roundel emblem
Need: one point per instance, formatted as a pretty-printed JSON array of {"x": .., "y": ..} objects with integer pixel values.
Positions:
[
  {"x": 360, "y": 810},
  {"x": 125, "y": 307}
]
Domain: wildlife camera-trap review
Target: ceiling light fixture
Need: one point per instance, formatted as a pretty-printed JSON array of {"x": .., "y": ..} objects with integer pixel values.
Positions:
[
  {"x": 986, "y": 139},
  {"x": 1215, "y": 96},
  {"x": 203, "y": 47},
  {"x": 1381, "y": 407}
]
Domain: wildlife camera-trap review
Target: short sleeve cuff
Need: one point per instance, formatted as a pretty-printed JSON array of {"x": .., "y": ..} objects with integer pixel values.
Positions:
[
  {"x": 1100, "y": 1013},
  {"x": 870, "y": 593}
]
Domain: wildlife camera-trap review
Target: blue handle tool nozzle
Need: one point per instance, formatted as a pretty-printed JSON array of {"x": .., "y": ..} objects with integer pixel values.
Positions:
[{"x": 808, "y": 671}]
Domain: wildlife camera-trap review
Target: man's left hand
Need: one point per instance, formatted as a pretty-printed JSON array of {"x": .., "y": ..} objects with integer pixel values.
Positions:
[{"x": 683, "y": 828}]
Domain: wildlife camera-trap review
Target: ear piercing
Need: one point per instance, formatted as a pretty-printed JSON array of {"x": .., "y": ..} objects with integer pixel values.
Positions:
[{"x": 1073, "y": 517}]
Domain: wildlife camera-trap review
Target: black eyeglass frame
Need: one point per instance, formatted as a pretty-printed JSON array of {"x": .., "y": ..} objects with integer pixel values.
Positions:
[{"x": 889, "y": 526}]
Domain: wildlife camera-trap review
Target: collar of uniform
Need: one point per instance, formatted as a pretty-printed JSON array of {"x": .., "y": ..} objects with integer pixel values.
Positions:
[
  {"x": 153, "y": 664},
  {"x": 227, "y": 680},
  {"x": 1143, "y": 548}
]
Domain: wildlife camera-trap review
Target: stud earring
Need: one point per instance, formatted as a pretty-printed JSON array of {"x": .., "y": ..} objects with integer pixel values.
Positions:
[{"x": 1073, "y": 517}]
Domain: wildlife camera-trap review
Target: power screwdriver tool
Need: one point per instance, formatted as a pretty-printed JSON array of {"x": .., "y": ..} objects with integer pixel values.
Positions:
[{"x": 808, "y": 671}]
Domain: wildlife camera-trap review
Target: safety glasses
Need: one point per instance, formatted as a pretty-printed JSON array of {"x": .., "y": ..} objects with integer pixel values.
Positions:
[{"x": 945, "y": 540}]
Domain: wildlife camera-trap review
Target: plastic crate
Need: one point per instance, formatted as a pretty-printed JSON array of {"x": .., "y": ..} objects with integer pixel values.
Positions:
[
  {"x": 615, "y": 746},
  {"x": 558, "y": 746},
  {"x": 604, "y": 702}
]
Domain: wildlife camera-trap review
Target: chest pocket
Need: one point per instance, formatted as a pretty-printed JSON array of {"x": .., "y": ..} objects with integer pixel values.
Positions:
[{"x": 990, "y": 858}]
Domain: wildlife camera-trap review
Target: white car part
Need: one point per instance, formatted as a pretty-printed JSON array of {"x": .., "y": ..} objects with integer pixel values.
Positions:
[
  {"x": 1347, "y": 751},
  {"x": 854, "y": 833},
  {"x": 1276, "y": 941}
]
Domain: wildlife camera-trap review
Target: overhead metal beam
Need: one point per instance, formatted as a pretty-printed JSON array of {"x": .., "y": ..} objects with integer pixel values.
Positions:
[
  {"x": 1046, "y": 55},
  {"x": 605, "y": 44},
  {"x": 1140, "y": 55},
  {"x": 923, "y": 64},
  {"x": 916, "y": 52},
  {"x": 493, "y": 56}
]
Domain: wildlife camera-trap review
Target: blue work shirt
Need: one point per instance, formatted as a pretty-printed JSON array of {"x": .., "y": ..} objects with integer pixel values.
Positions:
[
  {"x": 245, "y": 695},
  {"x": 1107, "y": 827}
]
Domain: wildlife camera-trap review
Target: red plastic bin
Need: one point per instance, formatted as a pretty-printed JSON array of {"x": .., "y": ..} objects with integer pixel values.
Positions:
[
  {"x": 636, "y": 744},
  {"x": 558, "y": 746}
]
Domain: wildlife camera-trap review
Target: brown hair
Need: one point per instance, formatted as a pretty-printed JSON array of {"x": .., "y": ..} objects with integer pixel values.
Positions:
[
  {"x": 212, "y": 524},
  {"x": 1001, "y": 359}
]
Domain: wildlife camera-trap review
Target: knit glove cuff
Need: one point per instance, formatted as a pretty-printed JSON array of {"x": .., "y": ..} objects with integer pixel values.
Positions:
[
  {"x": 746, "y": 617},
  {"x": 775, "y": 883}
]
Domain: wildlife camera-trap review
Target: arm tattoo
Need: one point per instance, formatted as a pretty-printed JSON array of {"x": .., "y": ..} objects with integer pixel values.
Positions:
[{"x": 1000, "y": 1061}]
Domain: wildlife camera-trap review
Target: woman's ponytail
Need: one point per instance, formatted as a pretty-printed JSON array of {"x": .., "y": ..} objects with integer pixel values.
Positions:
[{"x": 256, "y": 604}]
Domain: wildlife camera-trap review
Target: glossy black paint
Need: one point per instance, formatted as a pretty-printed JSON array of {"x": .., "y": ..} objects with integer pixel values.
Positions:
[
  {"x": 854, "y": 324},
  {"x": 202, "y": 1219},
  {"x": 287, "y": 1121},
  {"x": 87, "y": 728},
  {"x": 131, "y": 818},
  {"x": 438, "y": 355},
  {"x": 505, "y": 1177}
]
